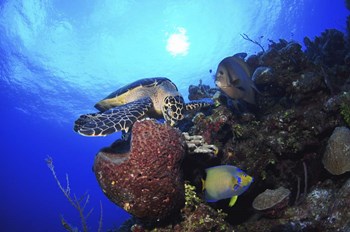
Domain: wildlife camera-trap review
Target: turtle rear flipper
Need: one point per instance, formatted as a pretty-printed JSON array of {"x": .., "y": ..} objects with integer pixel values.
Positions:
[
  {"x": 119, "y": 118},
  {"x": 197, "y": 104}
]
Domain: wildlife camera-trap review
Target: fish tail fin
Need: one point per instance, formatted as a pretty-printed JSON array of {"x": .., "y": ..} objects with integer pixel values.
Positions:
[{"x": 233, "y": 201}]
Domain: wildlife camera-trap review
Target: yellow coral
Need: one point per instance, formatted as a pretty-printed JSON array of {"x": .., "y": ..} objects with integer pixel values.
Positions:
[{"x": 191, "y": 198}]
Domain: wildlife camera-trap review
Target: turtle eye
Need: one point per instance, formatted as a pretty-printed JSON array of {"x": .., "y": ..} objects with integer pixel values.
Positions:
[{"x": 173, "y": 108}]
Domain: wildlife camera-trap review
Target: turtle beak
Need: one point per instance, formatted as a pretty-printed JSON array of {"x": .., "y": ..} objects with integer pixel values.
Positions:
[{"x": 168, "y": 119}]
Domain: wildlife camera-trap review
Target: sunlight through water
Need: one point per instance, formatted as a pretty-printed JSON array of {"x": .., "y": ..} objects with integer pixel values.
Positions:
[
  {"x": 90, "y": 52},
  {"x": 177, "y": 43}
]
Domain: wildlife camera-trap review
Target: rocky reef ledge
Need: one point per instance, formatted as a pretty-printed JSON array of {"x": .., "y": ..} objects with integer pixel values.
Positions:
[{"x": 294, "y": 142}]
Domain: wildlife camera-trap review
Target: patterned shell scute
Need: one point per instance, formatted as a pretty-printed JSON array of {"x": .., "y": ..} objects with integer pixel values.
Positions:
[{"x": 146, "y": 82}]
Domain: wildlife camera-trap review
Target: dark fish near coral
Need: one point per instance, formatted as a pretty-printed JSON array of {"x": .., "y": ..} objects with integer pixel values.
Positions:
[
  {"x": 225, "y": 181},
  {"x": 233, "y": 77}
]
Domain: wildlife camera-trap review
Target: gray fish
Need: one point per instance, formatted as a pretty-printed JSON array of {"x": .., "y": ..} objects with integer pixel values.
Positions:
[{"x": 233, "y": 78}]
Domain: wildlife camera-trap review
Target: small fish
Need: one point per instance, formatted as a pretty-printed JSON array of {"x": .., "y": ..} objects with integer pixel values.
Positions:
[
  {"x": 225, "y": 181},
  {"x": 233, "y": 77}
]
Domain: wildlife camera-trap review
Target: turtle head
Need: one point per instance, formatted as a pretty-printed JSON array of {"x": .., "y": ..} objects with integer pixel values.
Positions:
[{"x": 173, "y": 109}]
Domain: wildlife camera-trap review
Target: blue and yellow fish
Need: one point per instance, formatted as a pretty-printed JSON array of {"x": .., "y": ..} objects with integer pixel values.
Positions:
[{"x": 225, "y": 181}]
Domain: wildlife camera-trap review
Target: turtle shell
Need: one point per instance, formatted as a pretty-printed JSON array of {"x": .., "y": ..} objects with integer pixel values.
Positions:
[
  {"x": 149, "y": 97},
  {"x": 104, "y": 104}
]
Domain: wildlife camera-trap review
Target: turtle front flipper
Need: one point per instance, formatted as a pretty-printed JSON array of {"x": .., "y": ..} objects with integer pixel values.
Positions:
[
  {"x": 119, "y": 118},
  {"x": 198, "y": 104}
]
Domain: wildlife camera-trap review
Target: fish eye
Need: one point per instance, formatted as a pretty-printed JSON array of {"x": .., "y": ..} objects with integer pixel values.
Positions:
[
  {"x": 236, "y": 82},
  {"x": 221, "y": 72}
]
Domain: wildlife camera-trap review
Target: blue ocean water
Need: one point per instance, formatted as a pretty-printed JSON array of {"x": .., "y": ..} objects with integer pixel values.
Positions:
[{"x": 59, "y": 57}]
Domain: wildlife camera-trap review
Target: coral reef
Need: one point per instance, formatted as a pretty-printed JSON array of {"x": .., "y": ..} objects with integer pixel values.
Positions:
[
  {"x": 328, "y": 49},
  {"x": 331, "y": 52},
  {"x": 325, "y": 209},
  {"x": 195, "y": 216},
  {"x": 213, "y": 127},
  {"x": 197, "y": 92},
  {"x": 147, "y": 180},
  {"x": 303, "y": 97}
]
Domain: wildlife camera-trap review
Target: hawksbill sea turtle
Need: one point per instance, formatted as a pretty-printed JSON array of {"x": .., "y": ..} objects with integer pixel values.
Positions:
[{"x": 149, "y": 97}]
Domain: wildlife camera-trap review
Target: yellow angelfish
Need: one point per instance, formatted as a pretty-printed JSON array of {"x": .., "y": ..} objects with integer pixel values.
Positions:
[{"x": 225, "y": 181}]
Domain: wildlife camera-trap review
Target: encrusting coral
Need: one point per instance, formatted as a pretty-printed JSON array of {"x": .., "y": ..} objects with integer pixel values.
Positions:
[{"x": 146, "y": 180}]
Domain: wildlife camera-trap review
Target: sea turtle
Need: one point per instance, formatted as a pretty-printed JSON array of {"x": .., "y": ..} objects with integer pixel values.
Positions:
[{"x": 149, "y": 97}]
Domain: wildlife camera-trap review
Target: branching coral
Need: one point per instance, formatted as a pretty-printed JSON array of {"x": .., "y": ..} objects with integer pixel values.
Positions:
[
  {"x": 79, "y": 203},
  {"x": 191, "y": 198},
  {"x": 198, "y": 216},
  {"x": 246, "y": 37}
]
